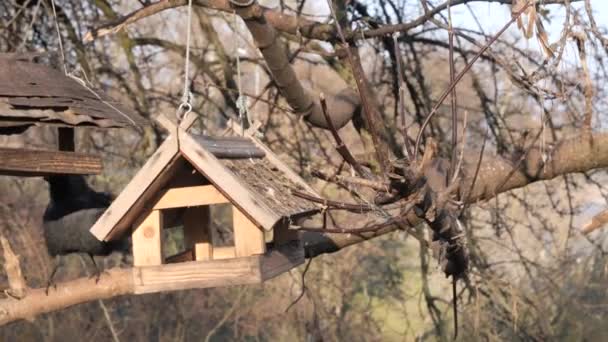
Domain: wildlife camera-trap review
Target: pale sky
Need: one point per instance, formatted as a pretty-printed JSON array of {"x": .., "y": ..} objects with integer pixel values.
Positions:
[{"x": 493, "y": 16}]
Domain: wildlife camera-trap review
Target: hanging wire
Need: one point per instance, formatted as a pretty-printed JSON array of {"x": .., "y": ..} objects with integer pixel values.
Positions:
[
  {"x": 65, "y": 67},
  {"x": 185, "y": 106}
]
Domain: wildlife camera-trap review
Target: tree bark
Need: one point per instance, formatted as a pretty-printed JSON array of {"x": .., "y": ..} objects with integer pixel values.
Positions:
[
  {"x": 342, "y": 106},
  {"x": 114, "y": 282}
]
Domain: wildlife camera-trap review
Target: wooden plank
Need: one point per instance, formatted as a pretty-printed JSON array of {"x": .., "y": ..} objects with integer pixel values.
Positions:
[
  {"x": 248, "y": 238},
  {"x": 36, "y": 163},
  {"x": 197, "y": 221},
  {"x": 147, "y": 245},
  {"x": 203, "y": 251},
  {"x": 197, "y": 274},
  {"x": 121, "y": 213},
  {"x": 223, "y": 253},
  {"x": 225, "y": 181},
  {"x": 281, "y": 259},
  {"x": 190, "y": 196}
]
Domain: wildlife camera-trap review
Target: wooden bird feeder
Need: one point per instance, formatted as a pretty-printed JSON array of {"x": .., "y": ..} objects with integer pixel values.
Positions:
[{"x": 178, "y": 188}]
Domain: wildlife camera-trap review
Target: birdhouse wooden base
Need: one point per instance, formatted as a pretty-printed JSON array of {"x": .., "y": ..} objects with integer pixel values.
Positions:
[{"x": 214, "y": 273}]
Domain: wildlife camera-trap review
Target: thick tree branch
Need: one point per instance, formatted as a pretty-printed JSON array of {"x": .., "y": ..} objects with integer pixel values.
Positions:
[
  {"x": 114, "y": 282},
  {"x": 343, "y": 104},
  {"x": 496, "y": 175}
]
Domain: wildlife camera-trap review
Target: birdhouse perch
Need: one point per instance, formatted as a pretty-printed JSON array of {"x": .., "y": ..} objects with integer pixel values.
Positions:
[{"x": 178, "y": 187}]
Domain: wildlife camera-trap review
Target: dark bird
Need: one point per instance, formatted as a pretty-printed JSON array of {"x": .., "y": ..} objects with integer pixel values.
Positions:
[{"x": 72, "y": 210}]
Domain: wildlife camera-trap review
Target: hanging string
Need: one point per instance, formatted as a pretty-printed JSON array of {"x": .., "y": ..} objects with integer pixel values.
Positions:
[
  {"x": 65, "y": 67},
  {"x": 71, "y": 75},
  {"x": 185, "y": 106}
]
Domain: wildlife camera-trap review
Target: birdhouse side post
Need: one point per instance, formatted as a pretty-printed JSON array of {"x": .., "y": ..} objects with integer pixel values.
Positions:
[
  {"x": 248, "y": 238},
  {"x": 147, "y": 244}
]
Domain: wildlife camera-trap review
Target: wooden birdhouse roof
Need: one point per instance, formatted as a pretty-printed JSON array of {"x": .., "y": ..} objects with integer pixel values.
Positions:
[
  {"x": 34, "y": 94},
  {"x": 242, "y": 169}
]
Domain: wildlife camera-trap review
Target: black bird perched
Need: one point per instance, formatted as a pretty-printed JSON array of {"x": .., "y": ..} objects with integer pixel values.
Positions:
[{"x": 72, "y": 210}]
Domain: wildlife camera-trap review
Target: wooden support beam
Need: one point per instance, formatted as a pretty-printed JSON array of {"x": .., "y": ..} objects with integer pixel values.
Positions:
[
  {"x": 37, "y": 163},
  {"x": 190, "y": 196},
  {"x": 197, "y": 221},
  {"x": 248, "y": 238},
  {"x": 216, "y": 273},
  {"x": 196, "y": 274},
  {"x": 147, "y": 244}
]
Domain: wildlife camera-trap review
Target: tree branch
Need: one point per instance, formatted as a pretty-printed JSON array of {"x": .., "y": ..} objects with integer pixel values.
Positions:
[
  {"x": 114, "y": 282},
  {"x": 496, "y": 175}
]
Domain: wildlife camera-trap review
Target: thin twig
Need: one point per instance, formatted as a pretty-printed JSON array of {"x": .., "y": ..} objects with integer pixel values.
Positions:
[
  {"x": 340, "y": 146},
  {"x": 301, "y": 295},
  {"x": 464, "y": 142},
  {"x": 460, "y": 75},
  {"x": 360, "y": 208},
  {"x": 235, "y": 304},
  {"x": 454, "y": 103},
  {"x": 376, "y": 185},
  {"x": 400, "y": 99},
  {"x": 477, "y": 168}
]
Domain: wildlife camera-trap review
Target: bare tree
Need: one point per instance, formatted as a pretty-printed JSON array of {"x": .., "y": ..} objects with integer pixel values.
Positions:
[{"x": 408, "y": 121}]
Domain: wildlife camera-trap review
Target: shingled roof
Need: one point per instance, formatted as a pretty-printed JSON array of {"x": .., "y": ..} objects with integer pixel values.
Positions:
[
  {"x": 244, "y": 170},
  {"x": 33, "y": 94}
]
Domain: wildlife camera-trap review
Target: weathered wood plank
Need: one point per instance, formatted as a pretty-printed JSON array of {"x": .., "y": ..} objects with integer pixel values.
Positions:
[
  {"x": 248, "y": 238},
  {"x": 27, "y": 85},
  {"x": 147, "y": 244},
  {"x": 36, "y": 163},
  {"x": 281, "y": 259},
  {"x": 197, "y": 274},
  {"x": 190, "y": 196},
  {"x": 270, "y": 155}
]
